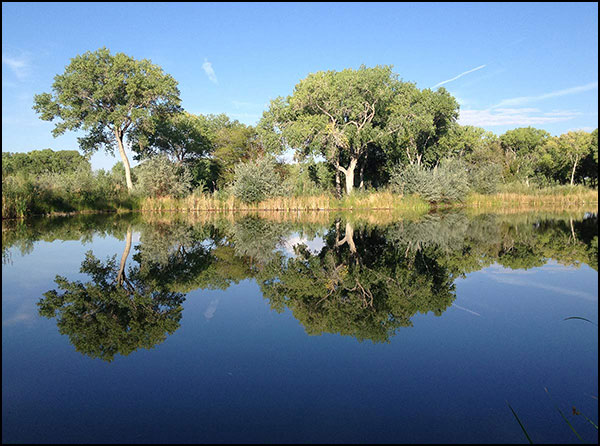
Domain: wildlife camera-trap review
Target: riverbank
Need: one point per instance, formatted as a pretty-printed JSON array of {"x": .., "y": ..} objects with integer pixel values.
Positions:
[{"x": 538, "y": 199}]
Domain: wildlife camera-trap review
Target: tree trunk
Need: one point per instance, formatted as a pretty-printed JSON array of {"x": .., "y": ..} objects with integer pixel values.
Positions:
[
  {"x": 348, "y": 237},
  {"x": 361, "y": 177},
  {"x": 338, "y": 186},
  {"x": 121, "y": 274},
  {"x": 119, "y": 136},
  {"x": 362, "y": 171},
  {"x": 573, "y": 172},
  {"x": 350, "y": 175}
]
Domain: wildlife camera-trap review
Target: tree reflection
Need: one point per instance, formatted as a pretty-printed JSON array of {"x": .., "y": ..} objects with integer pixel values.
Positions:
[
  {"x": 367, "y": 281},
  {"x": 114, "y": 313},
  {"x": 358, "y": 285}
]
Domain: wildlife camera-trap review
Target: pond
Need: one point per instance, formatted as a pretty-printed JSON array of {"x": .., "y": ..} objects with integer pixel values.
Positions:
[{"x": 281, "y": 328}]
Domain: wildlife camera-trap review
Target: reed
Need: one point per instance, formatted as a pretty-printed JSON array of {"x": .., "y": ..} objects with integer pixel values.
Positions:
[
  {"x": 359, "y": 201},
  {"x": 539, "y": 198}
]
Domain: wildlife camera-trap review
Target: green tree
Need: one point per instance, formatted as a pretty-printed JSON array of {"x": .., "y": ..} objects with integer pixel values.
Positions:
[
  {"x": 421, "y": 119},
  {"x": 40, "y": 162},
  {"x": 569, "y": 149},
  {"x": 589, "y": 164},
  {"x": 183, "y": 137},
  {"x": 115, "y": 313},
  {"x": 234, "y": 143},
  {"x": 109, "y": 97},
  {"x": 338, "y": 115},
  {"x": 358, "y": 285},
  {"x": 523, "y": 148}
]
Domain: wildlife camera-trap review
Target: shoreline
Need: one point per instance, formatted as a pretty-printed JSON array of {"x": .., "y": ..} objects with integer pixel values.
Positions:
[{"x": 491, "y": 206}]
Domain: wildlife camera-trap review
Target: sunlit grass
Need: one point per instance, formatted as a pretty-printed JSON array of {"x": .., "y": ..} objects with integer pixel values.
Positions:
[{"x": 324, "y": 202}]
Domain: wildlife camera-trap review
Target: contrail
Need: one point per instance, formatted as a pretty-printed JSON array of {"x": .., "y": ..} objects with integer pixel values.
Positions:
[
  {"x": 460, "y": 75},
  {"x": 466, "y": 309}
]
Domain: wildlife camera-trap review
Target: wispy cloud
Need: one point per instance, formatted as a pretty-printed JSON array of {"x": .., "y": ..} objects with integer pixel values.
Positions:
[
  {"x": 544, "y": 286},
  {"x": 553, "y": 94},
  {"x": 20, "y": 66},
  {"x": 210, "y": 72},
  {"x": 209, "y": 313},
  {"x": 513, "y": 116},
  {"x": 460, "y": 75},
  {"x": 588, "y": 128}
]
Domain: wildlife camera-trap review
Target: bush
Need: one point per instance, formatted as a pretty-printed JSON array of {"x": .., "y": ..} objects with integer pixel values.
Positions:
[
  {"x": 486, "y": 178},
  {"x": 18, "y": 194},
  {"x": 449, "y": 182},
  {"x": 255, "y": 181},
  {"x": 24, "y": 195},
  {"x": 159, "y": 177}
]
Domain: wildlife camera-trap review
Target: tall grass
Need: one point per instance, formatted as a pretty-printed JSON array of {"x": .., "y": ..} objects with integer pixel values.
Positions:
[
  {"x": 324, "y": 202},
  {"x": 81, "y": 191},
  {"x": 518, "y": 197}
]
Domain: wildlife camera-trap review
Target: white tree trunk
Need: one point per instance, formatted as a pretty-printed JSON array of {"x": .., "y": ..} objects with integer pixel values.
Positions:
[
  {"x": 350, "y": 176},
  {"x": 125, "y": 161},
  {"x": 573, "y": 171},
  {"x": 121, "y": 274}
]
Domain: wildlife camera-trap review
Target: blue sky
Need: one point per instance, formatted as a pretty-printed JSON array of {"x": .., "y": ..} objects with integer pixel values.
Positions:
[{"x": 509, "y": 65}]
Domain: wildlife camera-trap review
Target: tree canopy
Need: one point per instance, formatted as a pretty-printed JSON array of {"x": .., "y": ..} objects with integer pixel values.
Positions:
[{"x": 108, "y": 97}]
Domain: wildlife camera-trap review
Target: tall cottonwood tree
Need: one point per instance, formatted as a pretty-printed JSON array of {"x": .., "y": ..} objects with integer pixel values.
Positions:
[
  {"x": 346, "y": 115},
  {"x": 107, "y": 96},
  {"x": 336, "y": 115}
]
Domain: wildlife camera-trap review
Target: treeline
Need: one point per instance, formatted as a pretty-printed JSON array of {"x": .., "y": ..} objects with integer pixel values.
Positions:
[{"x": 363, "y": 128}]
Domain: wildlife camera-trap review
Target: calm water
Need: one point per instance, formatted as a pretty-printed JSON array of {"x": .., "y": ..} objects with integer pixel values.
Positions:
[{"x": 330, "y": 329}]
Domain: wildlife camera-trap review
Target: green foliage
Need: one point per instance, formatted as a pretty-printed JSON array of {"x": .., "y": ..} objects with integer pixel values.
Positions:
[
  {"x": 305, "y": 179},
  {"x": 485, "y": 178},
  {"x": 233, "y": 143},
  {"x": 18, "y": 196},
  {"x": 567, "y": 152},
  {"x": 524, "y": 152},
  {"x": 447, "y": 183},
  {"x": 108, "y": 97},
  {"x": 160, "y": 177},
  {"x": 343, "y": 116},
  {"x": 39, "y": 162},
  {"x": 106, "y": 316},
  {"x": 183, "y": 137},
  {"x": 256, "y": 181},
  {"x": 63, "y": 192}
]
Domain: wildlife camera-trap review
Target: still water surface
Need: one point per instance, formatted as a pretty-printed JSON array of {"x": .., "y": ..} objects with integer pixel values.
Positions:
[{"x": 212, "y": 328}]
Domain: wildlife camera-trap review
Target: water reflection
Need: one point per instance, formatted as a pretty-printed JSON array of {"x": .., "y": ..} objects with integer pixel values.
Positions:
[
  {"x": 117, "y": 312},
  {"x": 366, "y": 281}
]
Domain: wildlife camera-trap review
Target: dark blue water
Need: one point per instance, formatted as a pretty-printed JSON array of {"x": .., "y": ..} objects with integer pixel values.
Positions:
[{"x": 404, "y": 332}]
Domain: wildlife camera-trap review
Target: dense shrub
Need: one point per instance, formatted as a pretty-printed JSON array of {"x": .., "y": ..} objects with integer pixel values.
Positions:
[
  {"x": 83, "y": 189},
  {"x": 485, "y": 178},
  {"x": 255, "y": 181},
  {"x": 160, "y": 177},
  {"x": 444, "y": 184},
  {"x": 18, "y": 196}
]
